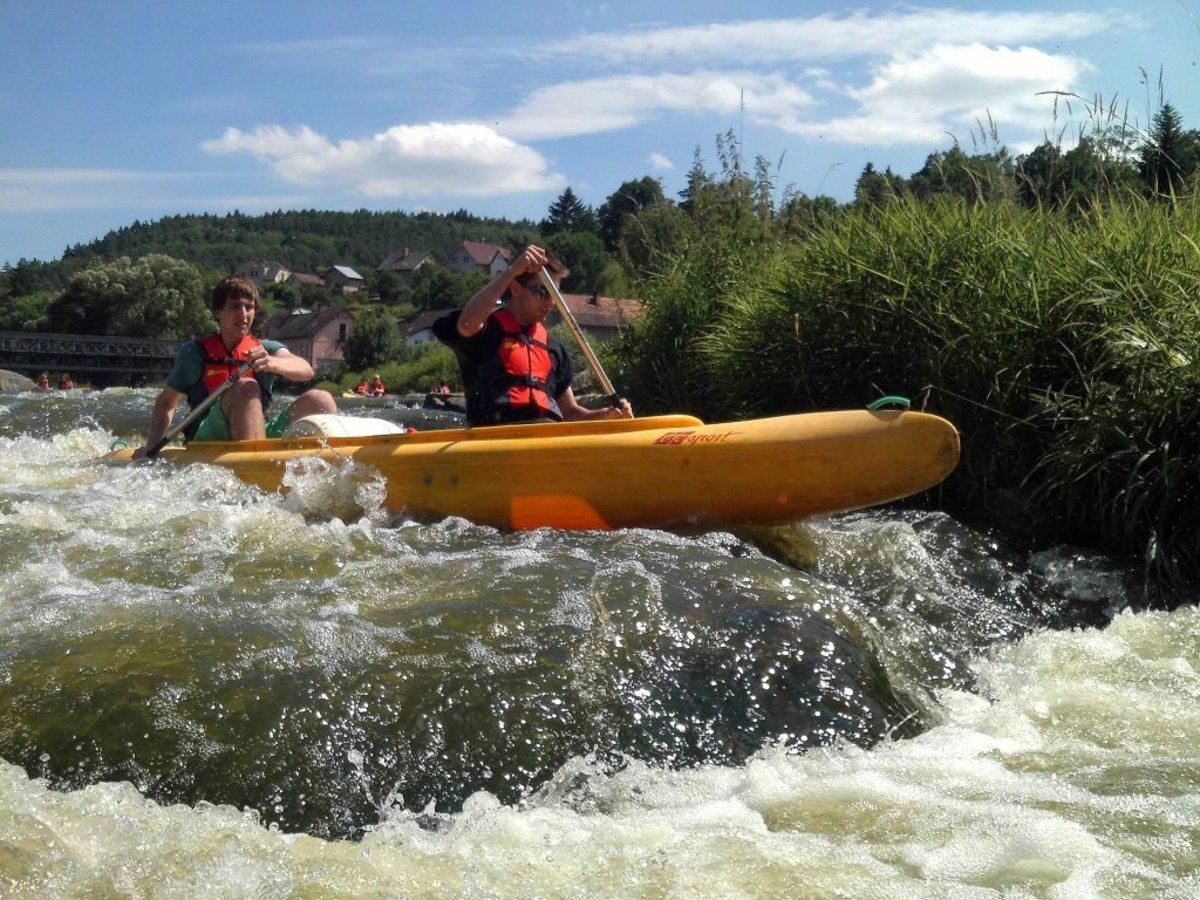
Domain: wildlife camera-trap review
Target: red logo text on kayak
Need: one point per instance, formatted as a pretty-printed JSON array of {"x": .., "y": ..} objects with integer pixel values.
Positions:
[{"x": 691, "y": 437}]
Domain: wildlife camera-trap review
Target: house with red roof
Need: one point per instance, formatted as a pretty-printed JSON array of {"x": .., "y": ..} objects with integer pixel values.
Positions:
[
  {"x": 476, "y": 256},
  {"x": 599, "y": 318}
]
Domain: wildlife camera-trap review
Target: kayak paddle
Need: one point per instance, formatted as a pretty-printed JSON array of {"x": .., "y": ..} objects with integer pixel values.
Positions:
[
  {"x": 569, "y": 318},
  {"x": 201, "y": 408}
]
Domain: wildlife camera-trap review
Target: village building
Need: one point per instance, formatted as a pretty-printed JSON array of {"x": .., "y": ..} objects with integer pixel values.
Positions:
[
  {"x": 476, "y": 256},
  {"x": 599, "y": 318},
  {"x": 420, "y": 329},
  {"x": 405, "y": 263},
  {"x": 304, "y": 280},
  {"x": 263, "y": 272},
  {"x": 316, "y": 336},
  {"x": 344, "y": 280}
]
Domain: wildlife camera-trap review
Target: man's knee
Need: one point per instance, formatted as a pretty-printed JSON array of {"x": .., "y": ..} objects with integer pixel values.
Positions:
[
  {"x": 313, "y": 402},
  {"x": 244, "y": 392}
]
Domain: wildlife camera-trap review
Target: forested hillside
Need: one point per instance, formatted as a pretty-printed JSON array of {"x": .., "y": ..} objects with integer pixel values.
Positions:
[{"x": 303, "y": 241}]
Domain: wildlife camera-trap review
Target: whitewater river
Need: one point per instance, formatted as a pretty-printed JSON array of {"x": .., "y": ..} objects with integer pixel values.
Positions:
[{"x": 207, "y": 691}]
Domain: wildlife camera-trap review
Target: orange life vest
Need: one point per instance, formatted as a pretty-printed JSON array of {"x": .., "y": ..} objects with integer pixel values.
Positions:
[
  {"x": 515, "y": 383},
  {"x": 220, "y": 365}
]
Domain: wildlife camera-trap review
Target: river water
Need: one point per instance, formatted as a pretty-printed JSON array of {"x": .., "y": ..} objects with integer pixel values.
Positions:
[{"x": 210, "y": 691}]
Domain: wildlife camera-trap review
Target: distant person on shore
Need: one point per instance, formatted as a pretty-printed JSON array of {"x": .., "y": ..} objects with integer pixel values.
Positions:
[
  {"x": 513, "y": 369},
  {"x": 64, "y": 382},
  {"x": 43, "y": 382},
  {"x": 376, "y": 388},
  {"x": 362, "y": 389},
  {"x": 204, "y": 365}
]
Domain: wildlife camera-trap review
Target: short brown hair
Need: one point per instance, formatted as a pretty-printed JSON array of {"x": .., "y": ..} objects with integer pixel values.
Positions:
[
  {"x": 235, "y": 286},
  {"x": 555, "y": 268}
]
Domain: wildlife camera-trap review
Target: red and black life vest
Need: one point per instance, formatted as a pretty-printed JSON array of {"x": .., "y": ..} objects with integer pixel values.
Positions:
[
  {"x": 220, "y": 365},
  {"x": 513, "y": 383}
]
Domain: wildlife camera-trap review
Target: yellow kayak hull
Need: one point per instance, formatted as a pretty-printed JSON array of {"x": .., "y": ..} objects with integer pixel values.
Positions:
[{"x": 649, "y": 472}]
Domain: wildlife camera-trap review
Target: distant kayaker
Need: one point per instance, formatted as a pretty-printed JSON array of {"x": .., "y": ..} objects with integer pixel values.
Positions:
[
  {"x": 513, "y": 369},
  {"x": 202, "y": 366},
  {"x": 43, "y": 382},
  {"x": 376, "y": 388},
  {"x": 362, "y": 388},
  {"x": 65, "y": 383}
]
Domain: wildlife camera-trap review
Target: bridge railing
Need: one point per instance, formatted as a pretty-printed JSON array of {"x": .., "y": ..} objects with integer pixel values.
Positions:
[{"x": 28, "y": 351}]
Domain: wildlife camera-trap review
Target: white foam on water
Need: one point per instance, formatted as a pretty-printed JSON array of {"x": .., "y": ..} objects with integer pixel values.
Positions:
[
  {"x": 1022, "y": 792},
  {"x": 1071, "y": 773}
]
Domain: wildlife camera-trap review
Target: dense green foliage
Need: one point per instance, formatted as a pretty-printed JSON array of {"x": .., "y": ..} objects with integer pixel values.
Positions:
[
  {"x": 155, "y": 297},
  {"x": 374, "y": 340},
  {"x": 1064, "y": 344}
]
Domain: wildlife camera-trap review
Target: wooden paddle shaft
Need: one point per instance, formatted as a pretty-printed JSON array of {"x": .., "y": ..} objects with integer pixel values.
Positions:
[
  {"x": 569, "y": 318},
  {"x": 201, "y": 408}
]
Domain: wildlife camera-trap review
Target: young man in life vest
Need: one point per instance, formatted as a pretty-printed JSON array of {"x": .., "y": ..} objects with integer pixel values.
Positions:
[
  {"x": 204, "y": 365},
  {"x": 513, "y": 369}
]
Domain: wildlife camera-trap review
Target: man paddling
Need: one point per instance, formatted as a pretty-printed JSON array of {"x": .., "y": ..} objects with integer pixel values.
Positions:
[
  {"x": 203, "y": 366},
  {"x": 513, "y": 369}
]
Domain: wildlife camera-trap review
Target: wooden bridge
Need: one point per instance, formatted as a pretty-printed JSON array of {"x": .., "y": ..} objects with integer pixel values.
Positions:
[{"x": 87, "y": 357}]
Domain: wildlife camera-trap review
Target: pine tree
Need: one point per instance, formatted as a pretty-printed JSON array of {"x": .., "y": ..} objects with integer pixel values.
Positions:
[
  {"x": 1163, "y": 151},
  {"x": 566, "y": 214}
]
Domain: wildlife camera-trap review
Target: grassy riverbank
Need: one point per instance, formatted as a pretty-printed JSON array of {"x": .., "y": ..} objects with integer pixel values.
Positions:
[{"x": 1065, "y": 346}]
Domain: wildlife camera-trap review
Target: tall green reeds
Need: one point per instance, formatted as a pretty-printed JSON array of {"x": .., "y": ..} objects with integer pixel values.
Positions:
[{"x": 1065, "y": 346}]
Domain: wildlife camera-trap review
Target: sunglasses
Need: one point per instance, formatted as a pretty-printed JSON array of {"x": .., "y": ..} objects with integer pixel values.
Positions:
[{"x": 534, "y": 288}]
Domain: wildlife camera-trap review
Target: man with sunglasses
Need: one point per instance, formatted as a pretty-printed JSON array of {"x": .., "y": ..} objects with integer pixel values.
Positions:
[{"x": 513, "y": 369}]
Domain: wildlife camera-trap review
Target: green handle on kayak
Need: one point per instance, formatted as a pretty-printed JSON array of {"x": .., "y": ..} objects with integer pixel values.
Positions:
[{"x": 892, "y": 400}]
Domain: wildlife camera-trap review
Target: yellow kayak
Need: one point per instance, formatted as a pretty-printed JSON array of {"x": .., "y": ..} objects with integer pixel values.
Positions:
[{"x": 648, "y": 472}]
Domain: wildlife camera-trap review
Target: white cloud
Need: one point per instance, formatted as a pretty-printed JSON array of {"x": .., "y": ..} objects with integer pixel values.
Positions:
[
  {"x": 46, "y": 190},
  {"x": 955, "y": 77},
  {"x": 660, "y": 163},
  {"x": 789, "y": 74},
  {"x": 596, "y": 105},
  {"x": 24, "y": 191},
  {"x": 772, "y": 41},
  {"x": 919, "y": 99},
  {"x": 435, "y": 159},
  {"x": 921, "y": 86}
]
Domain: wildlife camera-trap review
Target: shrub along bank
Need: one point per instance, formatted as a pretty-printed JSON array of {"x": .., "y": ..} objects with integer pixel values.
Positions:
[{"x": 1064, "y": 345}]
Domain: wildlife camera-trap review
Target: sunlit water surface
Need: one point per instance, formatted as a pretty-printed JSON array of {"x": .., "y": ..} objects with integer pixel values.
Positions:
[{"x": 210, "y": 691}]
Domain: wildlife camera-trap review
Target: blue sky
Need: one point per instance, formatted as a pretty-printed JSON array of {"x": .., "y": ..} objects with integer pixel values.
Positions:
[{"x": 122, "y": 110}]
